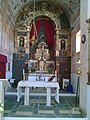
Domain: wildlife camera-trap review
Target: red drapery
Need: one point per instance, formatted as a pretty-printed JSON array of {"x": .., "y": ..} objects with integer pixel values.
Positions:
[
  {"x": 3, "y": 60},
  {"x": 49, "y": 30}
]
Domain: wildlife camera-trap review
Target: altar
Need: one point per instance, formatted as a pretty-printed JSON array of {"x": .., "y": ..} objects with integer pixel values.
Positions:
[
  {"x": 43, "y": 84},
  {"x": 41, "y": 74},
  {"x": 41, "y": 62}
]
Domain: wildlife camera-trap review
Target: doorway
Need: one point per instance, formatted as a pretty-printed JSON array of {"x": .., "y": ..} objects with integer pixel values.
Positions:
[{"x": 64, "y": 72}]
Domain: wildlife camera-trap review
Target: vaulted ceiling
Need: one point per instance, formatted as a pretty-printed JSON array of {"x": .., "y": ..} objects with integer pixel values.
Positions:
[{"x": 20, "y": 10}]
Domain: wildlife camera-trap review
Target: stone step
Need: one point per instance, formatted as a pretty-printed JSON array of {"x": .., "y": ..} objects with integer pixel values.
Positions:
[{"x": 30, "y": 118}]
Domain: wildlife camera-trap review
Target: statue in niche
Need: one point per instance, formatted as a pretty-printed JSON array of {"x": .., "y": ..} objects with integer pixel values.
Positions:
[
  {"x": 63, "y": 45},
  {"x": 42, "y": 60},
  {"x": 41, "y": 65},
  {"x": 21, "y": 42}
]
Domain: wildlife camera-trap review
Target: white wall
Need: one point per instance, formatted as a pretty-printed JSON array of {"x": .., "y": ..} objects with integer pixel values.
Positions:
[
  {"x": 74, "y": 79},
  {"x": 83, "y": 55},
  {"x": 88, "y": 102}
]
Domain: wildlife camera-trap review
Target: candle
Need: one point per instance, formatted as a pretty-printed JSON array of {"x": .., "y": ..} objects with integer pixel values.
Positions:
[
  {"x": 59, "y": 45},
  {"x": 55, "y": 80},
  {"x": 23, "y": 72},
  {"x": 55, "y": 73},
  {"x": 57, "y": 53},
  {"x": 47, "y": 50},
  {"x": 37, "y": 50}
]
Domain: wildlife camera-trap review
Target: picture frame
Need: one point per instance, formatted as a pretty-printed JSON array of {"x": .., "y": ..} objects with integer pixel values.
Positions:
[
  {"x": 65, "y": 83},
  {"x": 32, "y": 65},
  {"x": 83, "y": 39}
]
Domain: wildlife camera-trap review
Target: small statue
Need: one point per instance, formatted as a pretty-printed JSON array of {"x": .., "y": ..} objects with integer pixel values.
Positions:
[{"x": 41, "y": 65}]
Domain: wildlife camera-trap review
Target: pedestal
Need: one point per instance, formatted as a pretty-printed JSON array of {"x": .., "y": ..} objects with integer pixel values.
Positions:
[
  {"x": 26, "y": 101},
  {"x": 3, "y": 83},
  {"x": 48, "y": 102},
  {"x": 88, "y": 101}
]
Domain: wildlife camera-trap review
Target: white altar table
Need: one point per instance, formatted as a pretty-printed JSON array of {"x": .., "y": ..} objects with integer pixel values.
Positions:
[{"x": 47, "y": 85}]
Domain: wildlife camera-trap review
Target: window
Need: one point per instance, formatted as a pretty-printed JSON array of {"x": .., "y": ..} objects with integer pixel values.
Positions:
[{"x": 78, "y": 41}]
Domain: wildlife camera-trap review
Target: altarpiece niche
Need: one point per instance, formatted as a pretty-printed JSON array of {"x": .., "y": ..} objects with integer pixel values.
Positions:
[{"x": 42, "y": 57}]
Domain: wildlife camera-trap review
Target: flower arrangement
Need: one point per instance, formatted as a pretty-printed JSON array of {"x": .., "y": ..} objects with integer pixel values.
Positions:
[
  {"x": 33, "y": 70},
  {"x": 1, "y": 107},
  {"x": 51, "y": 68}
]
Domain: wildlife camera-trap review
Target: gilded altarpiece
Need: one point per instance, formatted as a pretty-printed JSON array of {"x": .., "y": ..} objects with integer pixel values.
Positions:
[{"x": 63, "y": 56}]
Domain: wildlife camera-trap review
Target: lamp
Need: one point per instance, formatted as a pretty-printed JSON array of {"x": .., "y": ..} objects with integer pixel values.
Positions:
[{"x": 78, "y": 73}]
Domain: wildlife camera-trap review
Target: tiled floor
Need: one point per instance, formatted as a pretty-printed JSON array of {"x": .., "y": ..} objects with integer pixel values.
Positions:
[{"x": 38, "y": 108}]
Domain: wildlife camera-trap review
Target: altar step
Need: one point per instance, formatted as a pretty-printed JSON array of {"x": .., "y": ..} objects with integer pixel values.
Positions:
[
  {"x": 30, "y": 118},
  {"x": 41, "y": 94}
]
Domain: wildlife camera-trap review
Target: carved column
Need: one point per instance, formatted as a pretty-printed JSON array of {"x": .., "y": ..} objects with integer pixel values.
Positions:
[
  {"x": 88, "y": 21},
  {"x": 57, "y": 53},
  {"x": 16, "y": 42},
  {"x": 28, "y": 36},
  {"x": 66, "y": 45},
  {"x": 57, "y": 39}
]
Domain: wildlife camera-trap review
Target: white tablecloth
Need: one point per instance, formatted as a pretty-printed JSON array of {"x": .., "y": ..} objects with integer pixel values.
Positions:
[{"x": 47, "y": 85}]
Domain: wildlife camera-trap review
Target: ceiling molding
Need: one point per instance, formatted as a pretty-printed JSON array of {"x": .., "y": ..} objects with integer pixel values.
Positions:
[{"x": 14, "y": 8}]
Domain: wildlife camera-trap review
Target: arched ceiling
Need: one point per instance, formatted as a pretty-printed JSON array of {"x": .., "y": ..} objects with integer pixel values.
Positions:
[{"x": 20, "y": 9}]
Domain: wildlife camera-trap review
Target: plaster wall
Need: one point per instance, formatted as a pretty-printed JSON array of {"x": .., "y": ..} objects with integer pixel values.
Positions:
[
  {"x": 83, "y": 55},
  {"x": 74, "y": 56},
  {"x": 74, "y": 81},
  {"x": 74, "y": 68},
  {"x": 88, "y": 102}
]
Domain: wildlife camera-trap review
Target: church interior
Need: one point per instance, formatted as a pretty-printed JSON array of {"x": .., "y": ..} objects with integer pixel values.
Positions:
[{"x": 44, "y": 52}]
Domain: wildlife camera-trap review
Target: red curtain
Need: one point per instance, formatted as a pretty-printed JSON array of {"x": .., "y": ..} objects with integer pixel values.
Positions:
[
  {"x": 3, "y": 60},
  {"x": 2, "y": 70},
  {"x": 49, "y": 30}
]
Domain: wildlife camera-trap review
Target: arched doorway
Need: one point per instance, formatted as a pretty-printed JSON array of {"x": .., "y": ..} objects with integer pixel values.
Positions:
[{"x": 3, "y": 60}]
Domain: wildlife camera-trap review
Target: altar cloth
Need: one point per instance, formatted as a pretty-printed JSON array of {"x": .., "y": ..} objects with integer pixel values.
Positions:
[{"x": 43, "y": 84}]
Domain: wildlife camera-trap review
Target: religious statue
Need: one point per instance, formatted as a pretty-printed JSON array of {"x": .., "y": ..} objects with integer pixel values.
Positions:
[
  {"x": 63, "y": 45},
  {"x": 42, "y": 59},
  {"x": 21, "y": 42},
  {"x": 41, "y": 65}
]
